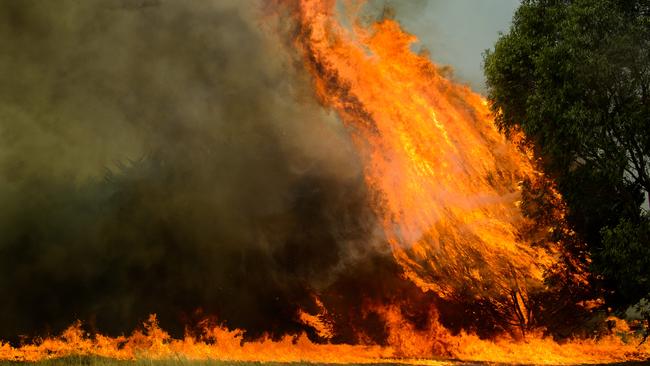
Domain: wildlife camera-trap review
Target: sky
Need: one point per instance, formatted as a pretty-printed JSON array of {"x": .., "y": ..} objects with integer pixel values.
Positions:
[{"x": 457, "y": 32}]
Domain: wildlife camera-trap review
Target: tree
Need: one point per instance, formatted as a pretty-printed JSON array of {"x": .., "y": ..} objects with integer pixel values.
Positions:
[
  {"x": 625, "y": 249},
  {"x": 624, "y": 260},
  {"x": 574, "y": 76}
]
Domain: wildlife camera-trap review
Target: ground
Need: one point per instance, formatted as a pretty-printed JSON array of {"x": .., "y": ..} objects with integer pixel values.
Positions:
[{"x": 97, "y": 361}]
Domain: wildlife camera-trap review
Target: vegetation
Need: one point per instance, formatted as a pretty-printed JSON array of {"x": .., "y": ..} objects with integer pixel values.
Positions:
[
  {"x": 574, "y": 76},
  {"x": 99, "y": 361}
]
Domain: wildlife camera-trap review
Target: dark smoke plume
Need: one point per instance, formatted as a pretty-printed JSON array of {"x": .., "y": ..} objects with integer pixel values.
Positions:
[
  {"x": 168, "y": 157},
  {"x": 160, "y": 156}
]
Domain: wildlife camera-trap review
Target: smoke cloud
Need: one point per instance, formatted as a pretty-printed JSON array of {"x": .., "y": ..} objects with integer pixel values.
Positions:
[{"x": 161, "y": 156}]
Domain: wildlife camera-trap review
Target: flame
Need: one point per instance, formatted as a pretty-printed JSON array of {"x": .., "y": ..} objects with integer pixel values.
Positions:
[
  {"x": 215, "y": 343},
  {"x": 220, "y": 343},
  {"x": 447, "y": 187},
  {"x": 318, "y": 322},
  {"x": 446, "y": 182}
]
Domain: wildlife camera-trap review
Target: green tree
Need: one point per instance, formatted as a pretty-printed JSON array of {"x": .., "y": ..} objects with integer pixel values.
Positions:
[
  {"x": 625, "y": 250},
  {"x": 624, "y": 260},
  {"x": 574, "y": 76}
]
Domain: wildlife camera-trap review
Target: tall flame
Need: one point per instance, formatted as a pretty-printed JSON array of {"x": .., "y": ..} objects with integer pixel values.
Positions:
[
  {"x": 446, "y": 187},
  {"x": 446, "y": 182}
]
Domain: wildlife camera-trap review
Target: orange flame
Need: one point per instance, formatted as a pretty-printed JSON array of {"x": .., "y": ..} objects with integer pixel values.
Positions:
[
  {"x": 447, "y": 188},
  {"x": 447, "y": 182},
  {"x": 219, "y": 343}
]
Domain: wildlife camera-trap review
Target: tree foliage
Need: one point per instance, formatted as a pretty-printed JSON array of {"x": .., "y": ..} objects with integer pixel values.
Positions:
[
  {"x": 574, "y": 76},
  {"x": 626, "y": 259}
]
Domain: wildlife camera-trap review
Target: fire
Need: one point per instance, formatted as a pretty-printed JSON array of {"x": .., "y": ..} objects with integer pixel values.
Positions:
[
  {"x": 447, "y": 187},
  {"x": 446, "y": 181},
  {"x": 447, "y": 184},
  {"x": 220, "y": 343},
  {"x": 215, "y": 343},
  {"x": 318, "y": 322}
]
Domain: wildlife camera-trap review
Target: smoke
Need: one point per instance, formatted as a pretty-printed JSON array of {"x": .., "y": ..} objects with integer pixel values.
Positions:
[
  {"x": 160, "y": 156},
  {"x": 163, "y": 156}
]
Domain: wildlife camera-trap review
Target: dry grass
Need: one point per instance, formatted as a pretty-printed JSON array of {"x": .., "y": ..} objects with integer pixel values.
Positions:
[{"x": 100, "y": 361}]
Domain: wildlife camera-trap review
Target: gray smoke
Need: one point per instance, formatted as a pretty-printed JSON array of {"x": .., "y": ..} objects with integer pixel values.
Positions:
[{"x": 165, "y": 156}]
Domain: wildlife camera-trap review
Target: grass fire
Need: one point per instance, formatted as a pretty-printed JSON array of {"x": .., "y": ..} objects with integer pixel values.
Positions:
[{"x": 299, "y": 181}]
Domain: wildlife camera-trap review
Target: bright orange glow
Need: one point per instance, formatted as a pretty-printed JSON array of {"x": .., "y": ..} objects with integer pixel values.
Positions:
[
  {"x": 446, "y": 186},
  {"x": 219, "y": 343},
  {"x": 447, "y": 182},
  {"x": 215, "y": 343}
]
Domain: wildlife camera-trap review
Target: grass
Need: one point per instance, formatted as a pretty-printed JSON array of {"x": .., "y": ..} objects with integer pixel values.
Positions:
[{"x": 100, "y": 361}]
